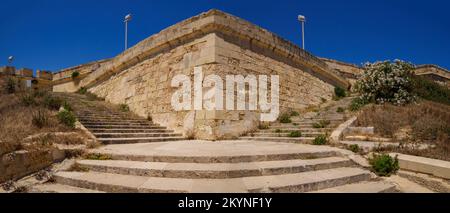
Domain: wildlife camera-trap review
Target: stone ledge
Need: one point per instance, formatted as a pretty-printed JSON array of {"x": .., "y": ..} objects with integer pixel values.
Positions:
[{"x": 438, "y": 168}]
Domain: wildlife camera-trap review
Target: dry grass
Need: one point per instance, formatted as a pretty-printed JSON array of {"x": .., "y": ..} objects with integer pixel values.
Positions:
[{"x": 425, "y": 122}]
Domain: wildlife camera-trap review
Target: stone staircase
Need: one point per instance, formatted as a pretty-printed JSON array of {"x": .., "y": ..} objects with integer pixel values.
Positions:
[
  {"x": 110, "y": 125},
  {"x": 305, "y": 124},
  {"x": 228, "y": 166}
]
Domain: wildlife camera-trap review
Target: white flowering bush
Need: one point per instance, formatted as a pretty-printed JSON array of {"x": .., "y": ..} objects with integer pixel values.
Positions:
[{"x": 386, "y": 82}]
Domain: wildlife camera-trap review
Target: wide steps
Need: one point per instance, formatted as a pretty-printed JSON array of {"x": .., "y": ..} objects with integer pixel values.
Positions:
[
  {"x": 298, "y": 182},
  {"x": 137, "y": 140},
  {"x": 123, "y": 127},
  {"x": 120, "y": 123},
  {"x": 60, "y": 188},
  {"x": 135, "y": 135},
  {"x": 285, "y": 134},
  {"x": 288, "y": 130},
  {"x": 99, "y": 130},
  {"x": 280, "y": 139},
  {"x": 363, "y": 187},
  {"x": 213, "y": 170}
]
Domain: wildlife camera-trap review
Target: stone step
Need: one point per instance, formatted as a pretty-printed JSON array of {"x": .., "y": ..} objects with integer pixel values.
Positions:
[
  {"x": 363, "y": 187},
  {"x": 123, "y": 127},
  {"x": 366, "y": 138},
  {"x": 119, "y": 123},
  {"x": 115, "y": 121},
  {"x": 213, "y": 170},
  {"x": 295, "y": 129},
  {"x": 138, "y": 140},
  {"x": 130, "y": 130},
  {"x": 60, "y": 188},
  {"x": 109, "y": 118},
  {"x": 298, "y": 182},
  {"x": 290, "y": 126},
  {"x": 135, "y": 135},
  {"x": 280, "y": 139},
  {"x": 369, "y": 145},
  {"x": 284, "y": 134}
]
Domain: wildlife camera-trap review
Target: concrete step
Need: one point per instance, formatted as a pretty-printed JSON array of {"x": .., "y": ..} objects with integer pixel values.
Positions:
[
  {"x": 369, "y": 145},
  {"x": 285, "y": 134},
  {"x": 60, "y": 188},
  {"x": 135, "y": 135},
  {"x": 137, "y": 140},
  {"x": 298, "y": 182},
  {"x": 109, "y": 118},
  {"x": 280, "y": 139},
  {"x": 366, "y": 138},
  {"x": 116, "y": 123},
  {"x": 130, "y": 130},
  {"x": 123, "y": 127},
  {"x": 295, "y": 129},
  {"x": 213, "y": 170},
  {"x": 363, "y": 187}
]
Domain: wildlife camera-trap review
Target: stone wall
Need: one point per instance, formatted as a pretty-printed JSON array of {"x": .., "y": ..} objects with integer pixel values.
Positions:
[
  {"x": 436, "y": 73},
  {"x": 349, "y": 71}
]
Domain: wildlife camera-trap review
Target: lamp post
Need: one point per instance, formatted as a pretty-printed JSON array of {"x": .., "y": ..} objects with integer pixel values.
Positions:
[
  {"x": 10, "y": 59},
  {"x": 302, "y": 19},
  {"x": 127, "y": 19}
]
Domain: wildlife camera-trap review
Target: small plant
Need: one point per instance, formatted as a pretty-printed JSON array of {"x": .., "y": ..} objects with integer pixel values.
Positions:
[
  {"x": 52, "y": 103},
  {"x": 339, "y": 92},
  {"x": 294, "y": 113},
  {"x": 263, "y": 126},
  {"x": 67, "y": 106},
  {"x": 34, "y": 81},
  {"x": 278, "y": 131},
  {"x": 66, "y": 117},
  {"x": 285, "y": 118},
  {"x": 295, "y": 134},
  {"x": 321, "y": 124},
  {"x": 340, "y": 110},
  {"x": 97, "y": 156},
  {"x": 357, "y": 104},
  {"x": 149, "y": 118},
  {"x": 11, "y": 86},
  {"x": 39, "y": 119},
  {"x": 323, "y": 100},
  {"x": 39, "y": 93},
  {"x": 75, "y": 75},
  {"x": 124, "y": 108},
  {"x": 78, "y": 168},
  {"x": 28, "y": 100},
  {"x": 384, "y": 164},
  {"x": 354, "y": 148},
  {"x": 82, "y": 90},
  {"x": 320, "y": 140}
]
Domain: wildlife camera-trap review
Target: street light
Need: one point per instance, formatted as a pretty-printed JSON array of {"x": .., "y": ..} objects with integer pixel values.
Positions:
[
  {"x": 10, "y": 59},
  {"x": 302, "y": 19},
  {"x": 127, "y": 19}
]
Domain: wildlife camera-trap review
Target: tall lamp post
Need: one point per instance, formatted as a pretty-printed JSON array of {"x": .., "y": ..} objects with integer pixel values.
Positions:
[
  {"x": 10, "y": 60},
  {"x": 302, "y": 19},
  {"x": 127, "y": 19}
]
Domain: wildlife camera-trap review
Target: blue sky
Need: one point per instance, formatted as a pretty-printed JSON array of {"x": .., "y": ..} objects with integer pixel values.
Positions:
[{"x": 55, "y": 34}]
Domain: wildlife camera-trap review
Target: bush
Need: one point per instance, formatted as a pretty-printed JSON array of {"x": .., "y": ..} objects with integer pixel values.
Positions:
[
  {"x": 320, "y": 140},
  {"x": 82, "y": 90},
  {"x": 278, "y": 131},
  {"x": 11, "y": 86},
  {"x": 384, "y": 165},
  {"x": 39, "y": 93},
  {"x": 430, "y": 90},
  {"x": 124, "y": 108},
  {"x": 75, "y": 74},
  {"x": 285, "y": 118},
  {"x": 97, "y": 156},
  {"x": 28, "y": 100},
  {"x": 263, "y": 126},
  {"x": 294, "y": 113},
  {"x": 67, "y": 106},
  {"x": 339, "y": 92},
  {"x": 357, "y": 104},
  {"x": 354, "y": 148},
  {"x": 321, "y": 124},
  {"x": 40, "y": 119},
  {"x": 67, "y": 118},
  {"x": 340, "y": 110},
  {"x": 386, "y": 82},
  {"x": 52, "y": 103},
  {"x": 295, "y": 134}
]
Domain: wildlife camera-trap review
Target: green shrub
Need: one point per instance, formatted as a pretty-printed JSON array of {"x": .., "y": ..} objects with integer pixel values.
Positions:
[
  {"x": 82, "y": 90},
  {"x": 320, "y": 140},
  {"x": 354, "y": 148},
  {"x": 40, "y": 119},
  {"x": 295, "y": 134},
  {"x": 11, "y": 86},
  {"x": 430, "y": 90},
  {"x": 384, "y": 165},
  {"x": 321, "y": 124},
  {"x": 323, "y": 100},
  {"x": 28, "y": 100},
  {"x": 97, "y": 156},
  {"x": 39, "y": 93},
  {"x": 67, "y": 106},
  {"x": 339, "y": 92},
  {"x": 357, "y": 104},
  {"x": 124, "y": 108},
  {"x": 52, "y": 103},
  {"x": 263, "y": 126},
  {"x": 294, "y": 113},
  {"x": 75, "y": 74},
  {"x": 278, "y": 131},
  {"x": 340, "y": 110},
  {"x": 285, "y": 118},
  {"x": 67, "y": 118}
]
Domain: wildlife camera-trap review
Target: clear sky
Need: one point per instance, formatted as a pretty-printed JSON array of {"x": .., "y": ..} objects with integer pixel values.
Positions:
[{"x": 56, "y": 34}]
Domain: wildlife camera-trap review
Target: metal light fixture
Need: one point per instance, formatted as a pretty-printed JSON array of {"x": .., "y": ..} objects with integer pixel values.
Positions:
[
  {"x": 10, "y": 59},
  {"x": 127, "y": 19},
  {"x": 302, "y": 19}
]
